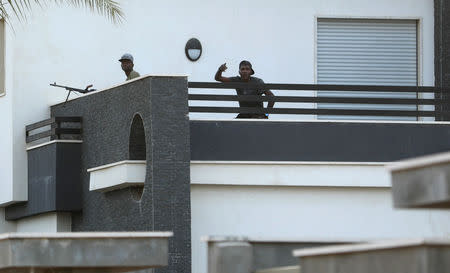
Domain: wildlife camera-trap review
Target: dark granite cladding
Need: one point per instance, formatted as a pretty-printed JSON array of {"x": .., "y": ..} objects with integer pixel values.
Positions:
[
  {"x": 442, "y": 49},
  {"x": 161, "y": 102},
  {"x": 315, "y": 141},
  {"x": 53, "y": 181}
]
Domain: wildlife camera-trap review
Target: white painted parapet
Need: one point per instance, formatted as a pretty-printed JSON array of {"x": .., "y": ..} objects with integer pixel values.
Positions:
[
  {"x": 117, "y": 175},
  {"x": 290, "y": 173}
]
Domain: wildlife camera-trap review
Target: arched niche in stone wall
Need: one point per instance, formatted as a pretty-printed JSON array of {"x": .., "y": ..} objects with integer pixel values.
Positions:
[
  {"x": 137, "y": 151},
  {"x": 137, "y": 147},
  {"x": 129, "y": 173}
]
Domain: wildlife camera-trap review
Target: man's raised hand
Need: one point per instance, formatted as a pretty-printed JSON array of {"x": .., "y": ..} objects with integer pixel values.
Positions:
[{"x": 223, "y": 67}]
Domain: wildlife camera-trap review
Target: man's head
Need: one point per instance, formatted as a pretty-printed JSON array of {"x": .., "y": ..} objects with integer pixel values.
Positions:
[
  {"x": 245, "y": 70},
  {"x": 127, "y": 62}
]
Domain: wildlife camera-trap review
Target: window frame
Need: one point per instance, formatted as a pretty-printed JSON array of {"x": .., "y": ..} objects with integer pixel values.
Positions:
[
  {"x": 2, "y": 58},
  {"x": 419, "y": 46}
]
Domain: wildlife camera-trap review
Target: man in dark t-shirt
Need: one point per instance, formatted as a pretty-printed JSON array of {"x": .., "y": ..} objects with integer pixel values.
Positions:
[{"x": 245, "y": 72}]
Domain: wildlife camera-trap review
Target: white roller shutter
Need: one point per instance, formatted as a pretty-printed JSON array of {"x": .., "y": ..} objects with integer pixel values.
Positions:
[{"x": 366, "y": 52}]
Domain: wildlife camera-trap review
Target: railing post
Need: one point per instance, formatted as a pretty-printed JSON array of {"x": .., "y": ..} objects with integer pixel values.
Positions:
[
  {"x": 58, "y": 125},
  {"x": 441, "y": 56}
]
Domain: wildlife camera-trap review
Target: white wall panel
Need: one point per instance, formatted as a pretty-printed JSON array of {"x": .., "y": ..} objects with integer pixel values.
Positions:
[
  {"x": 6, "y": 135},
  {"x": 48, "y": 222},
  {"x": 319, "y": 174}
]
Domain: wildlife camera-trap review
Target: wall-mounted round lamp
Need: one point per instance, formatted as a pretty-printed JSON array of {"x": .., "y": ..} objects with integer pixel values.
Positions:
[{"x": 193, "y": 49}]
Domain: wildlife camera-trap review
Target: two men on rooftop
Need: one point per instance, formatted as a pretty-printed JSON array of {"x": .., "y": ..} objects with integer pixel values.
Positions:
[{"x": 245, "y": 76}]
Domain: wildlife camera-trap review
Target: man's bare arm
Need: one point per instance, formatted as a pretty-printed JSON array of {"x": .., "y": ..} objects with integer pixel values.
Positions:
[{"x": 218, "y": 76}]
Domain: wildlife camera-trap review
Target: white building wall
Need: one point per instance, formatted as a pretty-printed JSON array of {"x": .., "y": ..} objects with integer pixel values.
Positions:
[
  {"x": 47, "y": 222},
  {"x": 7, "y": 130},
  {"x": 6, "y": 147},
  {"x": 304, "y": 214},
  {"x": 300, "y": 201}
]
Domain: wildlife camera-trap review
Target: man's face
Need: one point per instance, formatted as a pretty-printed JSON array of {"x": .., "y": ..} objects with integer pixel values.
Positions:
[
  {"x": 245, "y": 71},
  {"x": 127, "y": 65}
]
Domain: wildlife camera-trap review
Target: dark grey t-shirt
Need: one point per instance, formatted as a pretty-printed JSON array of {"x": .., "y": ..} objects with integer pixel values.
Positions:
[{"x": 249, "y": 91}]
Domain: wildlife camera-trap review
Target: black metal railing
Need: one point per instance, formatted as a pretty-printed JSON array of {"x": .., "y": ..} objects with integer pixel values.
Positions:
[
  {"x": 56, "y": 130},
  {"x": 324, "y": 99}
]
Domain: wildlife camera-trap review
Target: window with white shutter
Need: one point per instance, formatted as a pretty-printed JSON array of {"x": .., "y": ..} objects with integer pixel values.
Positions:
[{"x": 367, "y": 52}]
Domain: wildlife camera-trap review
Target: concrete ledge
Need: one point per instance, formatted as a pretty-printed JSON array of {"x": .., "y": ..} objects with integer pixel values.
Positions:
[
  {"x": 83, "y": 252},
  {"x": 423, "y": 182},
  {"x": 420, "y": 162},
  {"x": 271, "y": 240},
  {"x": 283, "y": 269},
  {"x": 272, "y": 255},
  {"x": 371, "y": 246},
  {"x": 416, "y": 255},
  {"x": 53, "y": 141},
  {"x": 117, "y": 175}
]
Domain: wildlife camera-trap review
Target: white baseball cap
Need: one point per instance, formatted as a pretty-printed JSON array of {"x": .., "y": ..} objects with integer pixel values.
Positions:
[{"x": 126, "y": 56}]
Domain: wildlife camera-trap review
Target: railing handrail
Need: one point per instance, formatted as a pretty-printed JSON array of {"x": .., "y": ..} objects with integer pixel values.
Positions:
[
  {"x": 312, "y": 111},
  {"x": 409, "y": 101},
  {"x": 55, "y": 130},
  {"x": 440, "y": 101},
  {"x": 320, "y": 87}
]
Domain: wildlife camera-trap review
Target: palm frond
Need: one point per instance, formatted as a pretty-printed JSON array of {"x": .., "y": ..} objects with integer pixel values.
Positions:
[{"x": 19, "y": 8}]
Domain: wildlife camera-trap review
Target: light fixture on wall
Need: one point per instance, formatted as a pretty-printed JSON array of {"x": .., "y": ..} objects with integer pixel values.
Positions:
[{"x": 193, "y": 49}]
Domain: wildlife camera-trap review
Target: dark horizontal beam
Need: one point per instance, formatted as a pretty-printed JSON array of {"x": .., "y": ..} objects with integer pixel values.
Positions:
[
  {"x": 302, "y": 111},
  {"x": 68, "y": 119},
  {"x": 53, "y": 133},
  {"x": 37, "y": 136},
  {"x": 39, "y": 124},
  {"x": 51, "y": 121},
  {"x": 67, "y": 131},
  {"x": 203, "y": 97},
  {"x": 320, "y": 87}
]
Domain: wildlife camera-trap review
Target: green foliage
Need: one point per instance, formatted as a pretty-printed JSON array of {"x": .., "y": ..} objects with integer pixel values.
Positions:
[{"x": 20, "y": 8}]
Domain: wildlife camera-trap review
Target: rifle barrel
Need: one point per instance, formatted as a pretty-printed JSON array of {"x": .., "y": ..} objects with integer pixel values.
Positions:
[{"x": 68, "y": 88}]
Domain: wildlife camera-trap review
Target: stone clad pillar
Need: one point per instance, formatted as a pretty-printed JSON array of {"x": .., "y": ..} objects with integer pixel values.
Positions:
[{"x": 163, "y": 202}]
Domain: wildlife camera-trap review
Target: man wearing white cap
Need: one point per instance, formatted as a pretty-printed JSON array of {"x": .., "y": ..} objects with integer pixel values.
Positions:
[{"x": 127, "y": 66}]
